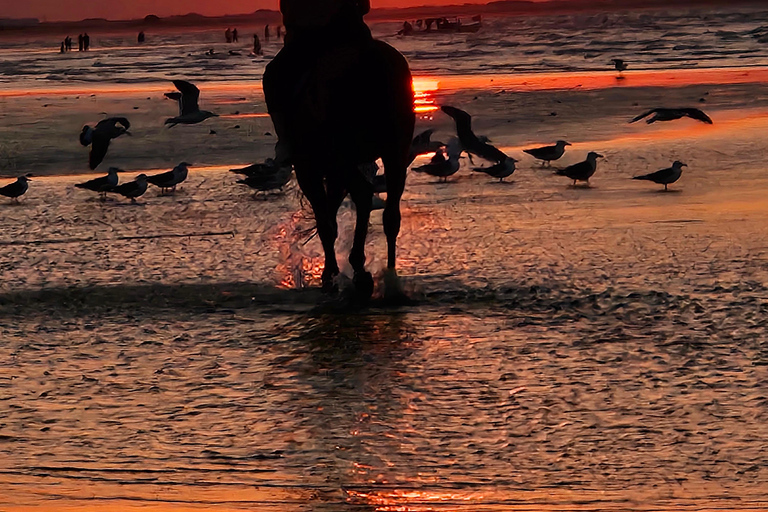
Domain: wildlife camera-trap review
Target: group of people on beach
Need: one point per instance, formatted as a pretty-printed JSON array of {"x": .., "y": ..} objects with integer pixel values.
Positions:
[{"x": 83, "y": 43}]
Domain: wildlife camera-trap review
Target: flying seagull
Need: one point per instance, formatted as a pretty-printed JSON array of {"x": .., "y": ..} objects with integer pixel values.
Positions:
[
  {"x": 548, "y": 153},
  {"x": 103, "y": 184},
  {"x": 423, "y": 144},
  {"x": 581, "y": 171},
  {"x": 189, "y": 110},
  {"x": 100, "y": 136},
  {"x": 132, "y": 189},
  {"x": 665, "y": 176},
  {"x": 670, "y": 114},
  {"x": 470, "y": 142},
  {"x": 169, "y": 180},
  {"x": 16, "y": 189},
  {"x": 500, "y": 170},
  {"x": 441, "y": 167}
]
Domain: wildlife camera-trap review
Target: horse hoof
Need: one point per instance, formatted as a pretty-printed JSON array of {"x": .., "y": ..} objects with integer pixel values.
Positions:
[
  {"x": 330, "y": 285},
  {"x": 393, "y": 288},
  {"x": 363, "y": 282}
]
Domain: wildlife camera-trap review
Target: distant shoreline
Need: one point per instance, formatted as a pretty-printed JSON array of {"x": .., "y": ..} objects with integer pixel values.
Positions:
[{"x": 9, "y": 26}]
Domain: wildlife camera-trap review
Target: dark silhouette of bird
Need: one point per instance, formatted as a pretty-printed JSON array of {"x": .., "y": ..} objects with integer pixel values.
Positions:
[
  {"x": 619, "y": 64},
  {"x": 500, "y": 170},
  {"x": 16, "y": 189},
  {"x": 101, "y": 135},
  {"x": 423, "y": 144},
  {"x": 581, "y": 171},
  {"x": 548, "y": 153},
  {"x": 665, "y": 176},
  {"x": 267, "y": 177},
  {"x": 670, "y": 114},
  {"x": 470, "y": 142},
  {"x": 103, "y": 184},
  {"x": 189, "y": 110},
  {"x": 268, "y": 166},
  {"x": 169, "y": 180},
  {"x": 132, "y": 189},
  {"x": 439, "y": 166}
]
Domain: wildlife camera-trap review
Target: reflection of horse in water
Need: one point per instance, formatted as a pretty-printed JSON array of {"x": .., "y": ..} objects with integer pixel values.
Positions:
[{"x": 346, "y": 107}]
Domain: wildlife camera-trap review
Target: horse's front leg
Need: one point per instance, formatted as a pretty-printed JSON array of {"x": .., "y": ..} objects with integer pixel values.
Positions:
[
  {"x": 311, "y": 184},
  {"x": 361, "y": 191}
]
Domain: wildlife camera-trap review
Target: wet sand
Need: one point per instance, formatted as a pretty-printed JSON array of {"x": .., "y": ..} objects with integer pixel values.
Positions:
[{"x": 568, "y": 348}]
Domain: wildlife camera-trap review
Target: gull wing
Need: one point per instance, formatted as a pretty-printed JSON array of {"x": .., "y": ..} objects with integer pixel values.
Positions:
[
  {"x": 646, "y": 114},
  {"x": 462, "y": 118},
  {"x": 189, "y": 97},
  {"x": 110, "y": 122},
  {"x": 99, "y": 149},
  {"x": 697, "y": 114}
]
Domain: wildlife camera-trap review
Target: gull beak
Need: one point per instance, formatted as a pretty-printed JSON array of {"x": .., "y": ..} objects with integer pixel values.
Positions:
[
  {"x": 684, "y": 165},
  {"x": 600, "y": 156},
  {"x": 568, "y": 144}
]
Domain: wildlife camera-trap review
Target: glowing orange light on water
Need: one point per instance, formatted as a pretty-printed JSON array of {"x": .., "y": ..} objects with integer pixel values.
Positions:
[{"x": 424, "y": 90}]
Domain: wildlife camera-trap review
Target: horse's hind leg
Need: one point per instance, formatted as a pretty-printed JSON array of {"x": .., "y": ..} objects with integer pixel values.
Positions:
[
  {"x": 361, "y": 191},
  {"x": 314, "y": 189}
]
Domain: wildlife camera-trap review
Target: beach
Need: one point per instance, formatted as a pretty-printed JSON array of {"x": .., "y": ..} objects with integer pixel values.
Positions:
[{"x": 565, "y": 348}]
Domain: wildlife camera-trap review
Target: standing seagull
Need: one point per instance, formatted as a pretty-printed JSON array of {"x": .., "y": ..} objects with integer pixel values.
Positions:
[
  {"x": 441, "y": 167},
  {"x": 103, "y": 184},
  {"x": 16, "y": 189},
  {"x": 670, "y": 114},
  {"x": 581, "y": 171},
  {"x": 268, "y": 178},
  {"x": 169, "y": 180},
  {"x": 132, "y": 189},
  {"x": 665, "y": 176},
  {"x": 100, "y": 136},
  {"x": 189, "y": 110},
  {"x": 548, "y": 153},
  {"x": 500, "y": 170},
  {"x": 619, "y": 64},
  {"x": 470, "y": 142}
]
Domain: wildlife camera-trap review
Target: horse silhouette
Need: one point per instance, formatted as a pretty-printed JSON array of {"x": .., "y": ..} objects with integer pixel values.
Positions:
[{"x": 338, "y": 110}]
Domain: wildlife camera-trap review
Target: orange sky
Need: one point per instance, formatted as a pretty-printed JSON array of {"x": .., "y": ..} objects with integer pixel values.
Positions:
[{"x": 54, "y": 10}]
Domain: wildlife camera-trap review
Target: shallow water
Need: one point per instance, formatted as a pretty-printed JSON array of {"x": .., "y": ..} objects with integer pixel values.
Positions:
[{"x": 565, "y": 348}]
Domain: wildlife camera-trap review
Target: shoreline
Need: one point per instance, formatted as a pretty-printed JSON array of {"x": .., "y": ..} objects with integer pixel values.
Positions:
[{"x": 517, "y": 82}]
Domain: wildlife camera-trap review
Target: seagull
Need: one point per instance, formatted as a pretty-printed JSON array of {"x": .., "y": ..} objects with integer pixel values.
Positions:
[
  {"x": 169, "y": 180},
  {"x": 470, "y": 142},
  {"x": 670, "y": 114},
  {"x": 441, "y": 167},
  {"x": 548, "y": 153},
  {"x": 132, "y": 189},
  {"x": 581, "y": 171},
  {"x": 258, "y": 169},
  {"x": 423, "y": 144},
  {"x": 16, "y": 189},
  {"x": 100, "y": 136},
  {"x": 268, "y": 178},
  {"x": 103, "y": 184},
  {"x": 189, "y": 110},
  {"x": 665, "y": 176},
  {"x": 619, "y": 64},
  {"x": 500, "y": 170}
]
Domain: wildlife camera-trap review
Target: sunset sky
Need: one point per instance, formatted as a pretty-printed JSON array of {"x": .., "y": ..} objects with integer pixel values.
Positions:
[{"x": 55, "y": 10}]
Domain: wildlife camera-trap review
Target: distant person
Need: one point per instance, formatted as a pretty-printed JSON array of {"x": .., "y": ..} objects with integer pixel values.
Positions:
[
  {"x": 86, "y": 42},
  {"x": 141, "y": 37},
  {"x": 67, "y": 44},
  {"x": 80, "y": 42},
  {"x": 228, "y": 35},
  {"x": 406, "y": 30},
  {"x": 234, "y": 36},
  {"x": 256, "y": 45},
  {"x": 279, "y": 32},
  {"x": 266, "y": 33},
  {"x": 63, "y": 47}
]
